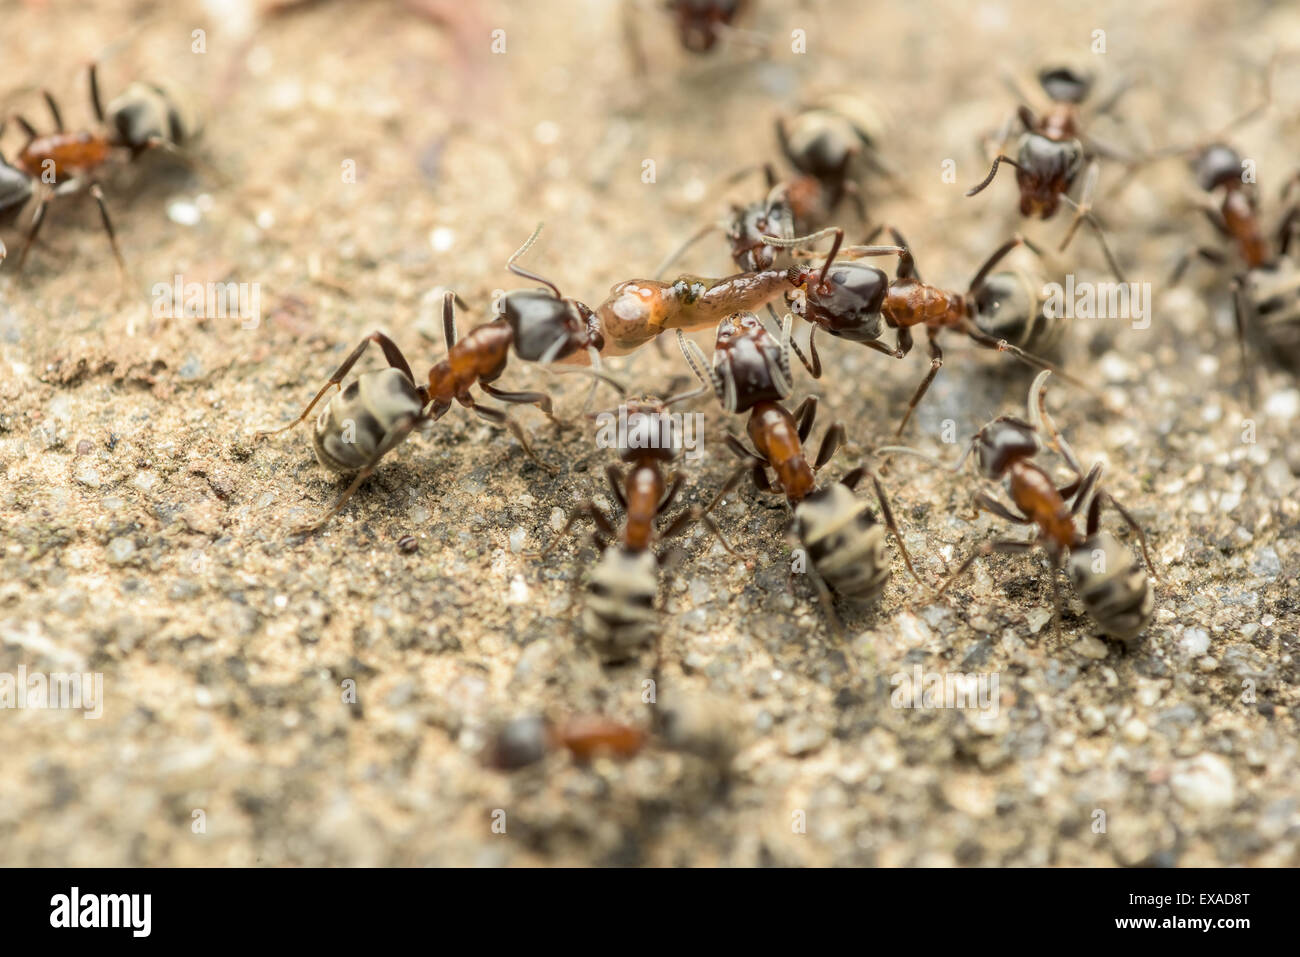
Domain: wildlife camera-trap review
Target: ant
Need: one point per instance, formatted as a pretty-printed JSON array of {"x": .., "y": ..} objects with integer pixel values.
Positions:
[
  {"x": 867, "y": 295},
  {"x": 700, "y": 25},
  {"x": 1114, "y": 590},
  {"x": 526, "y": 740},
  {"x": 1053, "y": 150},
  {"x": 144, "y": 117},
  {"x": 751, "y": 373},
  {"x": 1266, "y": 289},
  {"x": 377, "y": 411},
  {"x": 845, "y": 302},
  {"x": 824, "y": 142},
  {"x": 621, "y": 590}
]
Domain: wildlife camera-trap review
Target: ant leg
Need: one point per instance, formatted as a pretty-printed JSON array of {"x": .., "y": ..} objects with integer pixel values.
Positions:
[
  {"x": 499, "y": 417},
  {"x": 804, "y": 416},
  {"x": 831, "y": 443},
  {"x": 391, "y": 352},
  {"x": 586, "y": 509},
  {"x": 680, "y": 251},
  {"x": 98, "y": 194},
  {"x": 674, "y": 487},
  {"x": 1007, "y": 546},
  {"x": 1244, "y": 312},
  {"x": 1212, "y": 256},
  {"x": 449, "y": 319},
  {"x": 95, "y": 100},
  {"x": 936, "y": 363},
  {"x": 756, "y": 464},
  {"x": 539, "y": 399},
  {"x": 27, "y": 128},
  {"x": 1286, "y": 230},
  {"x": 1132, "y": 523},
  {"x": 310, "y": 527},
  {"x": 615, "y": 477},
  {"x": 997, "y": 161},
  {"x": 54, "y": 110},
  {"x": 396, "y": 437},
  {"x": 689, "y": 517},
  {"x": 1083, "y": 213},
  {"x": 1001, "y": 345},
  {"x": 984, "y": 502},
  {"x": 38, "y": 218},
  {"x": 1082, "y": 488},
  {"x": 906, "y": 263},
  {"x": 991, "y": 263},
  {"x": 828, "y": 605},
  {"x": 851, "y": 480}
]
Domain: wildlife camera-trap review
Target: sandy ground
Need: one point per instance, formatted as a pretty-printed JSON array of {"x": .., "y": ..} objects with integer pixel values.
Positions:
[{"x": 146, "y": 538}]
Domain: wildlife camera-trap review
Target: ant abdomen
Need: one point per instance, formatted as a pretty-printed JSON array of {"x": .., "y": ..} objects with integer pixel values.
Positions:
[
  {"x": 1112, "y": 585},
  {"x": 361, "y": 422},
  {"x": 845, "y": 544},
  {"x": 620, "y": 616},
  {"x": 1009, "y": 305}
]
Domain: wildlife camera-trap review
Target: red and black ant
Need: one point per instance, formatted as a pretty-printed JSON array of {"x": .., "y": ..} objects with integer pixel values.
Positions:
[
  {"x": 1053, "y": 150},
  {"x": 845, "y": 546},
  {"x": 1266, "y": 286},
  {"x": 146, "y": 116},
  {"x": 865, "y": 295},
  {"x": 377, "y": 412},
  {"x": 1114, "y": 590},
  {"x": 620, "y": 613}
]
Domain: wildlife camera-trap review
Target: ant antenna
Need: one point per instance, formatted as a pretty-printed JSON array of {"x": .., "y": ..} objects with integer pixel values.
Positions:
[
  {"x": 527, "y": 274},
  {"x": 1000, "y": 158}
]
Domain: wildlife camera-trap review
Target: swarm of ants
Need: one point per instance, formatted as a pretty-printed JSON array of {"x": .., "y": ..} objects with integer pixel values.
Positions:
[{"x": 866, "y": 293}]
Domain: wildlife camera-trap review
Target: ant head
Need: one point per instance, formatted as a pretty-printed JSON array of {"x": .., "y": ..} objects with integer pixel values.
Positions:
[
  {"x": 1005, "y": 303},
  {"x": 1066, "y": 84},
  {"x": 746, "y": 232},
  {"x": 749, "y": 364},
  {"x": 698, "y": 21},
  {"x": 847, "y": 304},
  {"x": 738, "y": 325},
  {"x": 546, "y": 327},
  {"x": 652, "y": 432},
  {"x": 1047, "y": 169},
  {"x": 1002, "y": 442},
  {"x": 1216, "y": 166}
]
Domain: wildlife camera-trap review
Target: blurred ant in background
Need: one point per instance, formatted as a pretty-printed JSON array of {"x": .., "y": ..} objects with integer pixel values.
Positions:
[
  {"x": 1266, "y": 277},
  {"x": 146, "y": 116},
  {"x": 830, "y": 144},
  {"x": 1053, "y": 150},
  {"x": 700, "y": 26}
]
